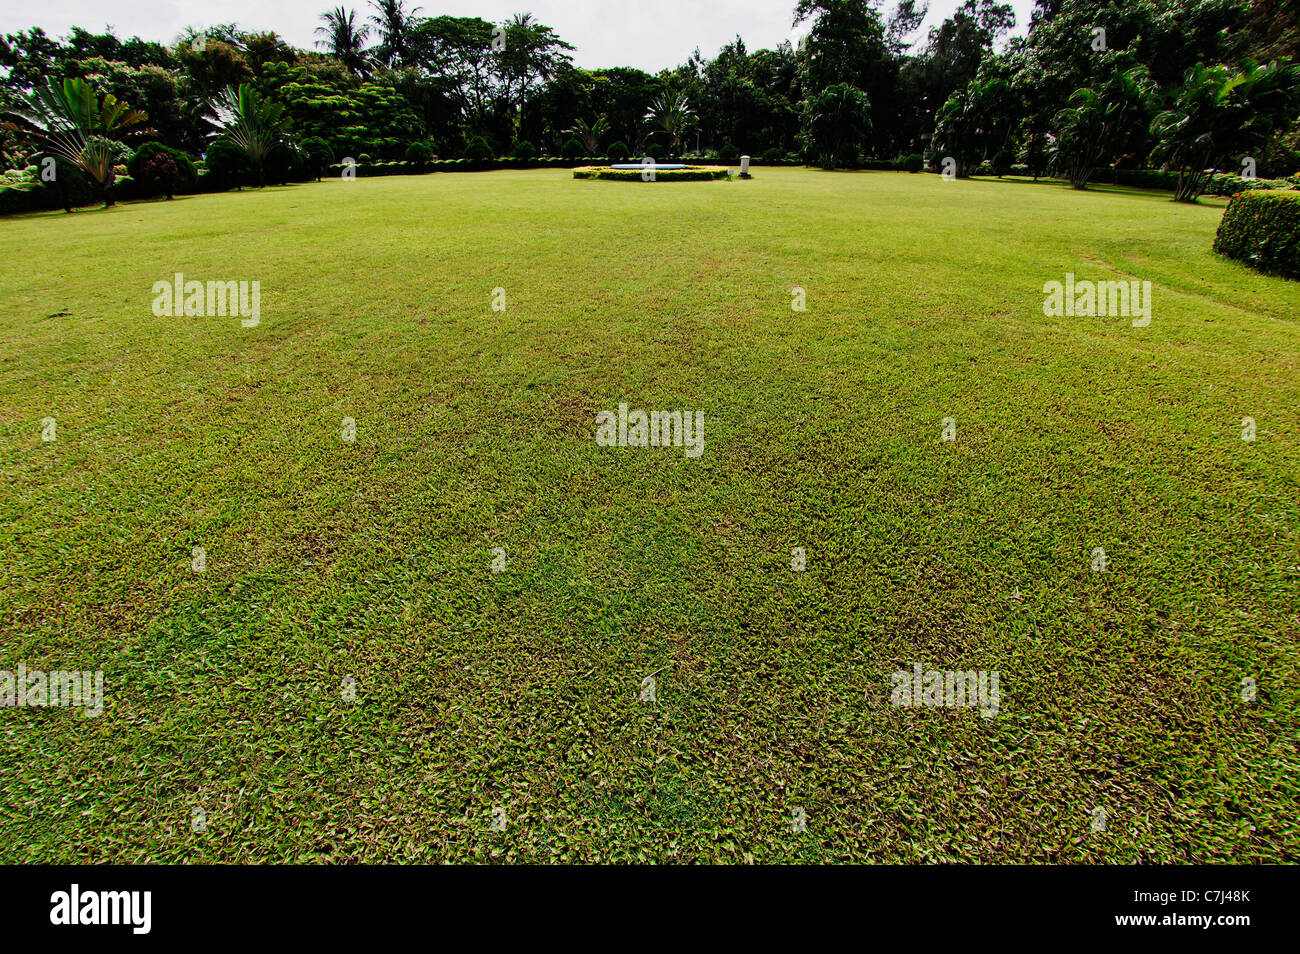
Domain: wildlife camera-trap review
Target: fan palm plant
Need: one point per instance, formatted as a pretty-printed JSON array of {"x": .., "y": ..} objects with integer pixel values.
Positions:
[
  {"x": 255, "y": 125},
  {"x": 589, "y": 134},
  {"x": 671, "y": 114},
  {"x": 70, "y": 121}
]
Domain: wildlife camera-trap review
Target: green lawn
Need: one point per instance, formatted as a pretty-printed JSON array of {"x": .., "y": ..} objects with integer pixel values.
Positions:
[{"x": 1120, "y": 691}]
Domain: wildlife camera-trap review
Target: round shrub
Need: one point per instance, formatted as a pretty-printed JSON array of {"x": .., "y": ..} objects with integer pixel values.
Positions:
[
  {"x": 228, "y": 165},
  {"x": 728, "y": 153},
  {"x": 525, "y": 150},
  {"x": 573, "y": 149},
  {"x": 419, "y": 153},
  {"x": 913, "y": 163},
  {"x": 1262, "y": 229},
  {"x": 478, "y": 150},
  {"x": 69, "y": 186},
  {"x": 153, "y": 174},
  {"x": 656, "y": 152},
  {"x": 618, "y": 151},
  {"x": 772, "y": 155},
  {"x": 318, "y": 155}
]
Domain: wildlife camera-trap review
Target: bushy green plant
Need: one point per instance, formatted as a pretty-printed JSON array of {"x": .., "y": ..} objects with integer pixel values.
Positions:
[
  {"x": 153, "y": 174},
  {"x": 1001, "y": 162},
  {"x": 913, "y": 163},
  {"x": 478, "y": 150},
  {"x": 1262, "y": 229},
  {"x": 525, "y": 150},
  {"x": 317, "y": 154},
  {"x": 228, "y": 166},
  {"x": 618, "y": 151},
  {"x": 573, "y": 149},
  {"x": 728, "y": 153},
  {"x": 419, "y": 153},
  {"x": 697, "y": 174}
]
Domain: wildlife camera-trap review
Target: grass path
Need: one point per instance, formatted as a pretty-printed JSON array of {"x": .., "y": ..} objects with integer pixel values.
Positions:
[{"x": 474, "y": 429}]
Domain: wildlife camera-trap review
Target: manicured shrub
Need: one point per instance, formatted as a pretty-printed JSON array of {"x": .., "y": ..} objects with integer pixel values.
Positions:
[
  {"x": 699, "y": 174},
  {"x": 419, "y": 153},
  {"x": 23, "y": 197},
  {"x": 657, "y": 152},
  {"x": 68, "y": 189},
  {"x": 1262, "y": 229},
  {"x": 153, "y": 173},
  {"x": 618, "y": 151},
  {"x": 525, "y": 150},
  {"x": 573, "y": 149},
  {"x": 728, "y": 153},
  {"x": 478, "y": 150},
  {"x": 772, "y": 155},
  {"x": 913, "y": 163},
  {"x": 228, "y": 166},
  {"x": 318, "y": 155},
  {"x": 286, "y": 164}
]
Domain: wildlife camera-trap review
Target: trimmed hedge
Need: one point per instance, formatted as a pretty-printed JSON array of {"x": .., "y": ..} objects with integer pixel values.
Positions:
[
  {"x": 694, "y": 174},
  {"x": 185, "y": 178},
  {"x": 1262, "y": 229}
]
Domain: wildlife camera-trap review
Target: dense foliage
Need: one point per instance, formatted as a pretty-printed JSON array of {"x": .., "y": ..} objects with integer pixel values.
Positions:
[
  {"x": 1094, "y": 87},
  {"x": 1262, "y": 229}
]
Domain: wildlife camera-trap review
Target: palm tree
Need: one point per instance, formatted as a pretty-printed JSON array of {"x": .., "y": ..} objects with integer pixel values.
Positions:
[
  {"x": 1096, "y": 127},
  {"x": 590, "y": 134},
  {"x": 837, "y": 122},
  {"x": 394, "y": 24},
  {"x": 254, "y": 124},
  {"x": 71, "y": 122},
  {"x": 344, "y": 38},
  {"x": 1218, "y": 115},
  {"x": 671, "y": 114}
]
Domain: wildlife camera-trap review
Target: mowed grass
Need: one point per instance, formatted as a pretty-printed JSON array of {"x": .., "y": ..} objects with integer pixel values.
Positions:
[{"x": 1120, "y": 691}]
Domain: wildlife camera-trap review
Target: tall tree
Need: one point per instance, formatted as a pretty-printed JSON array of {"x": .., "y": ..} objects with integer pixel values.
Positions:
[{"x": 345, "y": 39}]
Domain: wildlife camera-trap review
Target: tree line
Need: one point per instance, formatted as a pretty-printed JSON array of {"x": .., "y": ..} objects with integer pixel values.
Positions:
[{"x": 1094, "y": 85}]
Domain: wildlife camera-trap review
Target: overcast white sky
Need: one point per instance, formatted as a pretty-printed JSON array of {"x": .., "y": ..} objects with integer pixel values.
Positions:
[{"x": 650, "y": 34}]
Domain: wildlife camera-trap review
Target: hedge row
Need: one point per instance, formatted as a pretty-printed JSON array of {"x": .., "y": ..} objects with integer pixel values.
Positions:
[
  {"x": 399, "y": 168},
  {"x": 700, "y": 174},
  {"x": 1262, "y": 229}
]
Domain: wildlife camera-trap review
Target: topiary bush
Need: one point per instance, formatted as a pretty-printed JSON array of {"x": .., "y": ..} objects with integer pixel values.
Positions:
[
  {"x": 689, "y": 174},
  {"x": 478, "y": 150},
  {"x": 773, "y": 154},
  {"x": 618, "y": 151},
  {"x": 156, "y": 169},
  {"x": 68, "y": 188},
  {"x": 657, "y": 152},
  {"x": 228, "y": 166},
  {"x": 573, "y": 149},
  {"x": 318, "y": 155},
  {"x": 525, "y": 150},
  {"x": 419, "y": 153},
  {"x": 1262, "y": 229},
  {"x": 913, "y": 163},
  {"x": 728, "y": 153}
]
